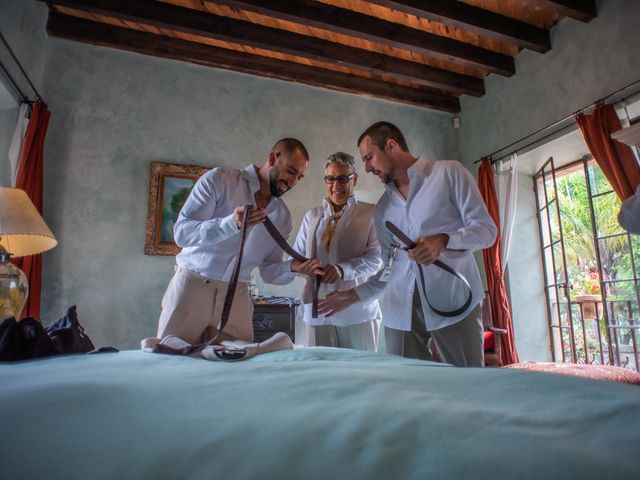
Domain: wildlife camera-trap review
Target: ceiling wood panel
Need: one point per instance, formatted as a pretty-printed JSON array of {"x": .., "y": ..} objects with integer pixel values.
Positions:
[{"x": 420, "y": 52}]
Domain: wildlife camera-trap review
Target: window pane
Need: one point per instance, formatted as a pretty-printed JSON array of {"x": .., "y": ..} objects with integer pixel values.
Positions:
[
  {"x": 548, "y": 263},
  {"x": 553, "y": 304},
  {"x": 635, "y": 243},
  {"x": 616, "y": 265},
  {"x": 567, "y": 334},
  {"x": 559, "y": 269},
  {"x": 597, "y": 180},
  {"x": 555, "y": 225},
  {"x": 544, "y": 225},
  {"x": 551, "y": 194},
  {"x": 605, "y": 210},
  {"x": 542, "y": 201}
]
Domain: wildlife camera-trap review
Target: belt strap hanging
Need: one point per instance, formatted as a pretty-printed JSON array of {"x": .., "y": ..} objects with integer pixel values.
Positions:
[
  {"x": 282, "y": 243},
  {"x": 411, "y": 244},
  {"x": 233, "y": 282}
]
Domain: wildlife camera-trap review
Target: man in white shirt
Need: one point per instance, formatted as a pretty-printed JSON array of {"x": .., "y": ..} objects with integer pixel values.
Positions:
[
  {"x": 208, "y": 230},
  {"x": 438, "y": 206},
  {"x": 341, "y": 235}
]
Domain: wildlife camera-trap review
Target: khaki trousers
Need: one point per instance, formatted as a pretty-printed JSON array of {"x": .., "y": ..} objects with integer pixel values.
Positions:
[
  {"x": 362, "y": 336},
  {"x": 461, "y": 344},
  {"x": 192, "y": 308}
]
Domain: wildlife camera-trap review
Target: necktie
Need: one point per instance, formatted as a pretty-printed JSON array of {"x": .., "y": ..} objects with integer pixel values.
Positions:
[{"x": 330, "y": 228}]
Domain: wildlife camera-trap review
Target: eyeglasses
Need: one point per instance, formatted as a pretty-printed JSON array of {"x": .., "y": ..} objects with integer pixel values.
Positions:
[{"x": 329, "y": 179}]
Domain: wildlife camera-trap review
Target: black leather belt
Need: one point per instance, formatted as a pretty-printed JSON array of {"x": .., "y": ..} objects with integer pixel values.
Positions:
[{"x": 411, "y": 244}]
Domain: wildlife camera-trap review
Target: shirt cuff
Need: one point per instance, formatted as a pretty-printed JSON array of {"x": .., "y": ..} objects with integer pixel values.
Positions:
[
  {"x": 365, "y": 293},
  {"x": 455, "y": 242},
  {"x": 345, "y": 271}
]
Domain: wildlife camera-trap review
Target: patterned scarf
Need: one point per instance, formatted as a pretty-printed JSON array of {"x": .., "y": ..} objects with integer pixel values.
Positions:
[{"x": 330, "y": 227}]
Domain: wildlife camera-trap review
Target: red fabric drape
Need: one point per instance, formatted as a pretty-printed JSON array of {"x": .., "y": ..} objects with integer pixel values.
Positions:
[
  {"x": 30, "y": 178},
  {"x": 500, "y": 308},
  {"x": 614, "y": 158}
]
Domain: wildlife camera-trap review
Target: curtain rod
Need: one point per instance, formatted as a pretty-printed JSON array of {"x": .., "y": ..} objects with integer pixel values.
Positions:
[
  {"x": 551, "y": 125},
  {"x": 24, "y": 73}
]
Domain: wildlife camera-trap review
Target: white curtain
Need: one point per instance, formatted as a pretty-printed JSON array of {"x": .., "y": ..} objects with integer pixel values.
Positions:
[
  {"x": 506, "y": 179},
  {"x": 17, "y": 141}
]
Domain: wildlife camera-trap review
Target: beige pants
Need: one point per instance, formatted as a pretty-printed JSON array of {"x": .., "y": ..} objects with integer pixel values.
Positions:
[
  {"x": 461, "y": 344},
  {"x": 192, "y": 308},
  {"x": 362, "y": 336}
]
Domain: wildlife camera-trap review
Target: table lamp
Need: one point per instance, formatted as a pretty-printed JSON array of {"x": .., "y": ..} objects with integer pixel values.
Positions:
[{"x": 22, "y": 232}]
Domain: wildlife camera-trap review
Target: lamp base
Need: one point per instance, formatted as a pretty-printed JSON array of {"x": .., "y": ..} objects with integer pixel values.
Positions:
[{"x": 14, "y": 290}]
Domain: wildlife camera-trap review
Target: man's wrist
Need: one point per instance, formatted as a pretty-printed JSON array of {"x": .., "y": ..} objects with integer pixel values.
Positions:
[{"x": 340, "y": 271}]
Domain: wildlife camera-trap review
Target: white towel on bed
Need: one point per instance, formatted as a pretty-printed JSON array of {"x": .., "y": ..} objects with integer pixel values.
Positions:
[{"x": 227, "y": 350}]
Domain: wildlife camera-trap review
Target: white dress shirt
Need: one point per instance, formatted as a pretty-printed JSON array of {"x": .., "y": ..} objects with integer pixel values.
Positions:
[
  {"x": 354, "y": 248},
  {"x": 443, "y": 198},
  {"x": 209, "y": 237},
  {"x": 629, "y": 215}
]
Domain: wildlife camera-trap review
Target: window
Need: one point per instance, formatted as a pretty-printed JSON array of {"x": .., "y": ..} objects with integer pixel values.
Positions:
[{"x": 590, "y": 267}]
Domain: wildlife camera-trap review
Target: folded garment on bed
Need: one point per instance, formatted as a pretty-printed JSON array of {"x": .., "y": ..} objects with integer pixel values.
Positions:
[{"x": 227, "y": 350}]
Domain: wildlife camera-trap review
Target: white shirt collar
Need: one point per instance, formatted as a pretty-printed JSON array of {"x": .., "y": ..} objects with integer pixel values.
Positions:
[
  {"x": 250, "y": 174},
  {"x": 326, "y": 205}
]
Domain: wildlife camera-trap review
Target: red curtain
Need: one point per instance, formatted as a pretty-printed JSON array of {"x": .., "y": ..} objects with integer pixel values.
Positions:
[
  {"x": 500, "y": 308},
  {"x": 614, "y": 158},
  {"x": 30, "y": 178}
]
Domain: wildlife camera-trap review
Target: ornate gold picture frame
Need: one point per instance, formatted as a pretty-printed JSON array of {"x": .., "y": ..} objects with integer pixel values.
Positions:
[{"x": 169, "y": 187}]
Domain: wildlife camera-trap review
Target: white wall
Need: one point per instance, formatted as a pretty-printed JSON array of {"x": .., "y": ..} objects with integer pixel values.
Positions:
[{"x": 114, "y": 112}]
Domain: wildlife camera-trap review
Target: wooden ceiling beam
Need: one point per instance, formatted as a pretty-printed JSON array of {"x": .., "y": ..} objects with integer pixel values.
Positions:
[
  {"x": 474, "y": 19},
  {"x": 583, "y": 10},
  {"x": 196, "y": 22},
  {"x": 340, "y": 20},
  {"x": 87, "y": 31}
]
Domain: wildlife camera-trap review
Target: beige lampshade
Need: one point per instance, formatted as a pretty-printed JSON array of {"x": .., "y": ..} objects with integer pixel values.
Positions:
[{"x": 22, "y": 229}]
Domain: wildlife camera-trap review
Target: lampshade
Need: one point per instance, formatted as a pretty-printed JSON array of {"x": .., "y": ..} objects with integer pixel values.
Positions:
[
  {"x": 629, "y": 136},
  {"x": 22, "y": 232},
  {"x": 22, "y": 229}
]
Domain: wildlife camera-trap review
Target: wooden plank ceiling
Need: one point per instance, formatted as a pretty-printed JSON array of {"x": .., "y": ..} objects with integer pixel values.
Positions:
[{"x": 420, "y": 52}]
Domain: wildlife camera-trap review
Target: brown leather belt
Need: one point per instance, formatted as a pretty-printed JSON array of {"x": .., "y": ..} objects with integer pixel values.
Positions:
[{"x": 282, "y": 243}]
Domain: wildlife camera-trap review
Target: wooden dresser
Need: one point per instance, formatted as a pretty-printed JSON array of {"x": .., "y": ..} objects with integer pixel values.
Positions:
[{"x": 270, "y": 317}]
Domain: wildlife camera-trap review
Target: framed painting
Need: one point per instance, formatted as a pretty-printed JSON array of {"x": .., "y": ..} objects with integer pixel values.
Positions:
[{"x": 169, "y": 187}]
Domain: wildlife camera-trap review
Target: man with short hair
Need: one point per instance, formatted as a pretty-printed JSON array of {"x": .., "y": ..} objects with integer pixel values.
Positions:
[
  {"x": 208, "y": 230},
  {"x": 438, "y": 206},
  {"x": 340, "y": 235}
]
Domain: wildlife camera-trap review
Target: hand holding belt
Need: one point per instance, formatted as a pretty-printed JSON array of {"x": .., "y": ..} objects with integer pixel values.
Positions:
[{"x": 411, "y": 244}]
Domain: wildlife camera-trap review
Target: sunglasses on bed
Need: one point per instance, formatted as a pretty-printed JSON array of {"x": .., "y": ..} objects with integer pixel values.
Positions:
[{"x": 340, "y": 178}]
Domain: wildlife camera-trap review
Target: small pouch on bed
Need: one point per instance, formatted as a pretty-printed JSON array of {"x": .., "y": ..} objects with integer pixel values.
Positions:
[{"x": 68, "y": 335}]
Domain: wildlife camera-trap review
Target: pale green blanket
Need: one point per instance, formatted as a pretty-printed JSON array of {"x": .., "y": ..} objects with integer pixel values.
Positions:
[{"x": 314, "y": 413}]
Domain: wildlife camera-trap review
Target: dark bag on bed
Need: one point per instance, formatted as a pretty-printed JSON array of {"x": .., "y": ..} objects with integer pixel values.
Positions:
[
  {"x": 67, "y": 334},
  {"x": 28, "y": 339},
  {"x": 24, "y": 340}
]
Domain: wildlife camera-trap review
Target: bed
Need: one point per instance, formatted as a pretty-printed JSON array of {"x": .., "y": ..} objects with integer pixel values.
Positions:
[{"x": 309, "y": 413}]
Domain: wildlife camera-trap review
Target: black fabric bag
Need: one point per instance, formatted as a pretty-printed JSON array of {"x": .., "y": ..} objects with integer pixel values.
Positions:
[
  {"x": 28, "y": 339},
  {"x": 67, "y": 334},
  {"x": 24, "y": 340}
]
